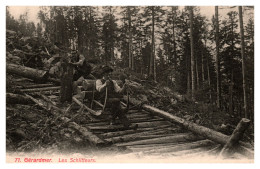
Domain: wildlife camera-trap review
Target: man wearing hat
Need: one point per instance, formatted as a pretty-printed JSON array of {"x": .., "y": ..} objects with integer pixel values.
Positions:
[{"x": 114, "y": 93}]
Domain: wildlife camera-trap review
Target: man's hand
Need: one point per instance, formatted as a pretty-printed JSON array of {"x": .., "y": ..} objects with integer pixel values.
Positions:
[{"x": 108, "y": 82}]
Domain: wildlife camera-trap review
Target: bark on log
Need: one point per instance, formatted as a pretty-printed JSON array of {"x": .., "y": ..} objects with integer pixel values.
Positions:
[
  {"x": 84, "y": 106},
  {"x": 121, "y": 133},
  {"x": 237, "y": 134},
  {"x": 92, "y": 138},
  {"x": 40, "y": 89},
  {"x": 12, "y": 98},
  {"x": 180, "y": 147},
  {"x": 168, "y": 139},
  {"x": 201, "y": 130},
  {"x": 38, "y": 75},
  {"x": 190, "y": 153},
  {"x": 141, "y": 135},
  {"x": 120, "y": 126},
  {"x": 37, "y": 86}
]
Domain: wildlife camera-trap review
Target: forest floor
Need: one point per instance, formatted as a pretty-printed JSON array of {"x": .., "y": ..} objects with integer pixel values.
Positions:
[{"x": 29, "y": 128}]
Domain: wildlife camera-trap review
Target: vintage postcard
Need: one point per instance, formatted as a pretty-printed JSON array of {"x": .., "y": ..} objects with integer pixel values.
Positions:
[{"x": 129, "y": 84}]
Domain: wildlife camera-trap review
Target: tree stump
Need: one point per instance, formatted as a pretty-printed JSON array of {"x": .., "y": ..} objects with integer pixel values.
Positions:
[{"x": 237, "y": 134}]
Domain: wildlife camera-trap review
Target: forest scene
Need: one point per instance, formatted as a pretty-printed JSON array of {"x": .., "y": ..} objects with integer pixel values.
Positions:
[{"x": 175, "y": 60}]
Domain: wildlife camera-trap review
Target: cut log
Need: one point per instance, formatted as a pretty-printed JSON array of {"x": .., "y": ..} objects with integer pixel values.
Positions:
[
  {"x": 191, "y": 153},
  {"x": 37, "y": 86},
  {"x": 168, "y": 139},
  {"x": 153, "y": 124},
  {"x": 120, "y": 133},
  {"x": 120, "y": 126},
  {"x": 40, "y": 89},
  {"x": 47, "y": 99},
  {"x": 237, "y": 134},
  {"x": 180, "y": 147},
  {"x": 137, "y": 137},
  {"x": 85, "y": 107},
  {"x": 140, "y": 135},
  {"x": 92, "y": 138},
  {"x": 108, "y": 128},
  {"x": 197, "y": 129},
  {"x": 12, "y": 98},
  {"x": 38, "y": 75},
  {"x": 144, "y": 147}
]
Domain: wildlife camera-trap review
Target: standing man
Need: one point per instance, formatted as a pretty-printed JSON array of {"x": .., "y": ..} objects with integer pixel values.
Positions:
[
  {"x": 114, "y": 93},
  {"x": 81, "y": 68}
]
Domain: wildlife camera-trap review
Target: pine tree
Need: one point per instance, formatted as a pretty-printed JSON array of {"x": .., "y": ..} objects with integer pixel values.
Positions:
[
  {"x": 217, "y": 58},
  {"x": 243, "y": 60}
]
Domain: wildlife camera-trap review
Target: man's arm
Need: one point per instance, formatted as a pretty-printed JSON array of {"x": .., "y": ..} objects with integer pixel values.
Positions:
[
  {"x": 99, "y": 86},
  {"x": 117, "y": 88},
  {"x": 80, "y": 62}
]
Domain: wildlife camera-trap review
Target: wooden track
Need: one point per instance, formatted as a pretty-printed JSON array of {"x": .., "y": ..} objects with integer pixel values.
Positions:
[{"x": 153, "y": 136}]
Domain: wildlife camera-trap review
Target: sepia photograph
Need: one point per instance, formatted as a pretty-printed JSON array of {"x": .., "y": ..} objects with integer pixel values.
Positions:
[{"x": 129, "y": 84}]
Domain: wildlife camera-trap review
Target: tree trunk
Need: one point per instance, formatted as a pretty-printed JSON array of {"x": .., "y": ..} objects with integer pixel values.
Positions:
[
  {"x": 135, "y": 136},
  {"x": 151, "y": 66},
  {"x": 197, "y": 75},
  {"x": 193, "y": 76},
  {"x": 167, "y": 139},
  {"x": 237, "y": 134},
  {"x": 231, "y": 85},
  {"x": 37, "y": 86},
  {"x": 41, "y": 89},
  {"x": 129, "y": 40},
  {"x": 188, "y": 68},
  {"x": 202, "y": 69},
  {"x": 38, "y": 75},
  {"x": 185, "y": 146},
  {"x": 217, "y": 59},
  {"x": 243, "y": 61},
  {"x": 31, "y": 73},
  {"x": 209, "y": 81},
  {"x": 208, "y": 72},
  {"x": 173, "y": 37},
  {"x": 199, "y": 130},
  {"x": 231, "y": 95},
  {"x": 66, "y": 90}
]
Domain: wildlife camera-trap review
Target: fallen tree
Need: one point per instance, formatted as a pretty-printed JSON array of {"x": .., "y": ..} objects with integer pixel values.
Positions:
[
  {"x": 30, "y": 73},
  {"x": 197, "y": 129},
  {"x": 35, "y": 74}
]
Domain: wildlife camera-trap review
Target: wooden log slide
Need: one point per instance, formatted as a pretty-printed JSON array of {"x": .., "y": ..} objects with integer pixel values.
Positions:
[{"x": 197, "y": 129}]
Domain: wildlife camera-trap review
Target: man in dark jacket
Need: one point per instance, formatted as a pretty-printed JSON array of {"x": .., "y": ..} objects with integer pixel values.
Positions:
[
  {"x": 114, "y": 93},
  {"x": 82, "y": 68}
]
